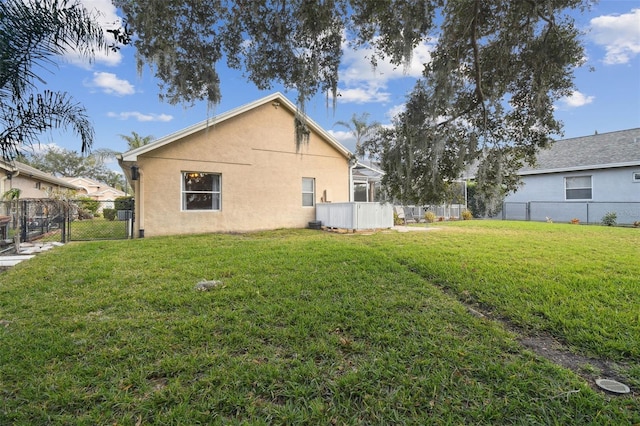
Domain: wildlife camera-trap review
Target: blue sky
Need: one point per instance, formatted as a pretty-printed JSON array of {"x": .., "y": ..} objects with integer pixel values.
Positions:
[{"x": 120, "y": 101}]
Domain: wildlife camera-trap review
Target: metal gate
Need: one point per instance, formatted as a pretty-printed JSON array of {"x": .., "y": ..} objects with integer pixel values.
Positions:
[{"x": 66, "y": 220}]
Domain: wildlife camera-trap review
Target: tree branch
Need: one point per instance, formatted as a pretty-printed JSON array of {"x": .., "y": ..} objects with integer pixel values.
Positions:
[{"x": 476, "y": 61}]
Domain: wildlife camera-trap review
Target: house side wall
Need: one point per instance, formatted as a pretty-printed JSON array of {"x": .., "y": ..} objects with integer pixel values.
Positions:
[
  {"x": 27, "y": 186},
  {"x": 608, "y": 185},
  {"x": 543, "y": 197},
  {"x": 261, "y": 176}
]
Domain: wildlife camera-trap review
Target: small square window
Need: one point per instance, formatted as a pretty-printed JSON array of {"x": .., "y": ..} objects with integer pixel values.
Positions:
[
  {"x": 636, "y": 176},
  {"x": 578, "y": 188}
]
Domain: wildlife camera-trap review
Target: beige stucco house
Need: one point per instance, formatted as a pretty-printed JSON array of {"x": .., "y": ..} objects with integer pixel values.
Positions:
[
  {"x": 31, "y": 182},
  {"x": 236, "y": 172},
  {"x": 96, "y": 190}
]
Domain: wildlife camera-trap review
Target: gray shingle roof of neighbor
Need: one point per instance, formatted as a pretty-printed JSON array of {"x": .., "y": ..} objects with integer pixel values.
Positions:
[
  {"x": 599, "y": 151},
  {"x": 602, "y": 150}
]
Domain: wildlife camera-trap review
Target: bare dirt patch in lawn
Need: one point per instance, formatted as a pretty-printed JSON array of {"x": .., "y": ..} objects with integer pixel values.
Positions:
[{"x": 546, "y": 346}]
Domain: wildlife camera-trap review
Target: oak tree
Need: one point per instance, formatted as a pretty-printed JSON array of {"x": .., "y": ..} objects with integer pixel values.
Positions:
[{"x": 485, "y": 98}]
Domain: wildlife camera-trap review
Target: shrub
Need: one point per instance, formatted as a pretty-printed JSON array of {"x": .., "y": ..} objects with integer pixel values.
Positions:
[
  {"x": 636, "y": 224},
  {"x": 430, "y": 216},
  {"x": 466, "y": 214},
  {"x": 397, "y": 220},
  {"x": 88, "y": 204},
  {"x": 84, "y": 214},
  {"x": 575, "y": 221},
  {"x": 109, "y": 214},
  {"x": 610, "y": 219}
]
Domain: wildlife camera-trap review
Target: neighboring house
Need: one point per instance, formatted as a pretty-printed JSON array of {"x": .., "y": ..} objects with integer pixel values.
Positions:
[
  {"x": 582, "y": 178},
  {"x": 96, "y": 190},
  {"x": 239, "y": 171},
  {"x": 31, "y": 182}
]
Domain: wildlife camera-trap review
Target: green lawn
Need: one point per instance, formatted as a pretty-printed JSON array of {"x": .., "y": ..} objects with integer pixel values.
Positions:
[
  {"x": 320, "y": 328},
  {"x": 91, "y": 229},
  {"x": 98, "y": 228}
]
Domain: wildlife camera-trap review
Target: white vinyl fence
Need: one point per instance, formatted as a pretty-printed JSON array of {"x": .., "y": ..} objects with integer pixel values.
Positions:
[{"x": 355, "y": 216}]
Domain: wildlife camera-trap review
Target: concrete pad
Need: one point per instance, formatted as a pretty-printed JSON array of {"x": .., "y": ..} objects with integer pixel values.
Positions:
[
  {"x": 402, "y": 228},
  {"x": 13, "y": 260}
]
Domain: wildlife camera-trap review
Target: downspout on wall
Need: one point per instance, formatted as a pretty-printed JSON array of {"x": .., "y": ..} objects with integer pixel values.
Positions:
[{"x": 139, "y": 203}]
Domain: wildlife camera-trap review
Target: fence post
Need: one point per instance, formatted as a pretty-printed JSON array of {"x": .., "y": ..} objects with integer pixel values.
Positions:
[
  {"x": 63, "y": 223},
  {"x": 23, "y": 222},
  {"x": 133, "y": 218}
]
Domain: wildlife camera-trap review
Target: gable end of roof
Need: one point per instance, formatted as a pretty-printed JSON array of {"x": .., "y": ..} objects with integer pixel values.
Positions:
[{"x": 132, "y": 156}]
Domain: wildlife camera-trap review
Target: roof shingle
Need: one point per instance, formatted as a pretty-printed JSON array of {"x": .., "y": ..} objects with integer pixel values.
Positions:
[{"x": 601, "y": 150}]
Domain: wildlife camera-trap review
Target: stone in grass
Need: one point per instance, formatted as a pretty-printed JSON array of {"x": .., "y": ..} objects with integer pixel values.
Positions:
[{"x": 207, "y": 285}]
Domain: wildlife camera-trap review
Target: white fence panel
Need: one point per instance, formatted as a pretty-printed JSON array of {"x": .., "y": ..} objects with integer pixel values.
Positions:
[{"x": 356, "y": 216}]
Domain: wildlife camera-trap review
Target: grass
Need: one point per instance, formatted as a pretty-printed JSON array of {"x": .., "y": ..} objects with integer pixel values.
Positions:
[
  {"x": 98, "y": 228},
  {"x": 315, "y": 328},
  {"x": 579, "y": 283},
  {"x": 91, "y": 229}
]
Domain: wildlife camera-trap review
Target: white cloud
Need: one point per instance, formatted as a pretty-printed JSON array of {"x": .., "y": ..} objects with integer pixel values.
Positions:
[
  {"x": 39, "y": 148},
  {"x": 576, "y": 100},
  {"x": 363, "y": 95},
  {"x": 359, "y": 69},
  {"x": 394, "y": 111},
  {"x": 345, "y": 137},
  {"x": 109, "y": 83},
  {"x": 105, "y": 14},
  {"x": 619, "y": 35},
  {"x": 125, "y": 115},
  {"x": 364, "y": 83},
  {"x": 342, "y": 135}
]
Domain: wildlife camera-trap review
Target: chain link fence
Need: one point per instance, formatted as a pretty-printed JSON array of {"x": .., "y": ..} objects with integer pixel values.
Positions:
[
  {"x": 591, "y": 212},
  {"x": 442, "y": 212},
  {"x": 64, "y": 220}
]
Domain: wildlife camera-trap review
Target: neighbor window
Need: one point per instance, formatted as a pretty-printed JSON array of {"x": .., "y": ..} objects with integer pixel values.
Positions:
[
  {"x": 578, "y": 188},
  {"x": 308, "y": 192},
  {"x": 636, "y": 176},
  {"x": 200, "y": 191}
]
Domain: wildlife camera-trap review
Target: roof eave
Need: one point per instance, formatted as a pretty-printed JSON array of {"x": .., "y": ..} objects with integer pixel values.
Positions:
[
  {"x": 579, "y": 168},
  {"x": 132, "y": 156}
]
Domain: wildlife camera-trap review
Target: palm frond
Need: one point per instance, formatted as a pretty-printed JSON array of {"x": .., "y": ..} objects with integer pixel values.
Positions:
[{"x": 25, "y": 120}]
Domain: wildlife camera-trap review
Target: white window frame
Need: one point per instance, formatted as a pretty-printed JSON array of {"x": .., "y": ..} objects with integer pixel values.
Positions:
[
  {"x": 215, "y": 194},
  {"x": 307, "y": 192},
  {"x": 566, "y": 189},
  {"x": 635, "y": 177}
]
